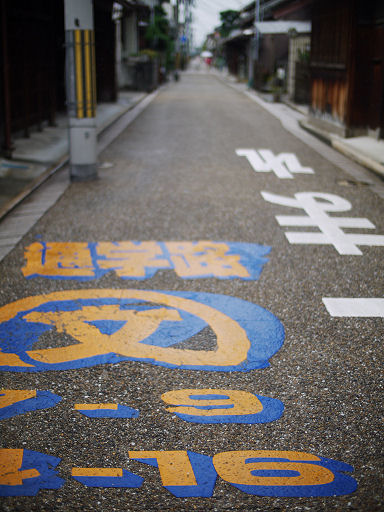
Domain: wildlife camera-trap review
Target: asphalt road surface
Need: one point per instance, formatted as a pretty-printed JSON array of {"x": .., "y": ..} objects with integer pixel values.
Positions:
[{"x": 172, "y": 335}]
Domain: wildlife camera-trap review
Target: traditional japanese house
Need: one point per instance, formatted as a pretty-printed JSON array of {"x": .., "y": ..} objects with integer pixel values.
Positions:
[
  {"x": 347, "y": 66},
  {"x": 32, "y": 64}
]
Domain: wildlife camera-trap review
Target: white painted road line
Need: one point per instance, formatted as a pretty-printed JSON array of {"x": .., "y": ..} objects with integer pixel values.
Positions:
[{"x": 354, "y": 307}]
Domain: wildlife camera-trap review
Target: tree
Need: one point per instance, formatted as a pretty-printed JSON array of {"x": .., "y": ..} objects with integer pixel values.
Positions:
[
  {"x": 228, "y": 21},
  {"x": 158, "y": 32},
  {"x": 160, "y": 37}
]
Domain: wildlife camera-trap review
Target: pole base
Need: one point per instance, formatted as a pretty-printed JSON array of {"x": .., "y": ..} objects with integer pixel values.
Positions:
[{"x": 83, "y": 172}]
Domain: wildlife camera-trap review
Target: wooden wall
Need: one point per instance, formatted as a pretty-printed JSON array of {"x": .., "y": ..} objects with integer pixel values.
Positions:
[
  {"x": 105, "y": 40},
  {"x": 367, "y": 102},
  {"x": 32, "y": 64},
  {"x": 347, "y": 64},
  {"x": 32, "y": 50},
  {"x": 331, "y": 44}
]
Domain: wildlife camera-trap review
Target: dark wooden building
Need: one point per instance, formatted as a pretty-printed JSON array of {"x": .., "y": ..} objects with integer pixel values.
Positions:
[
  {"x": 32, "y": 64},
  {"x": 347, "y": 66},
  {"x": 273, "y": 43}
]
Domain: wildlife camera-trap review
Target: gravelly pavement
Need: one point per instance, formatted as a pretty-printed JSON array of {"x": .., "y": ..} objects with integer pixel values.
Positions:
[{"x": 176, "y": 176}]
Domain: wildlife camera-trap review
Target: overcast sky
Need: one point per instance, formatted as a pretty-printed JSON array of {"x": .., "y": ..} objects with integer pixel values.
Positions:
[{"x": 206, "y": 16}]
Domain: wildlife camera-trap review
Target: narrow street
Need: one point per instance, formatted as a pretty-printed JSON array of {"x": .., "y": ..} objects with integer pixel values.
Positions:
[{"x": 175, "y": 330}]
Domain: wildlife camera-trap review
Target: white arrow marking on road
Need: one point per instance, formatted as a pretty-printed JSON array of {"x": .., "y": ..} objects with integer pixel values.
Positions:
[{"x": 354, "y": 307}]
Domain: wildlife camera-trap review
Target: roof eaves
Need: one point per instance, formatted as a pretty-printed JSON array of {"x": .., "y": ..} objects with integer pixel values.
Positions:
[{"x": 129, "y": 4}]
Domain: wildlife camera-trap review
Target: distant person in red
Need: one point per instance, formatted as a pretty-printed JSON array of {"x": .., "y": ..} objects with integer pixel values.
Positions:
[{"x": 208, "y": 61}]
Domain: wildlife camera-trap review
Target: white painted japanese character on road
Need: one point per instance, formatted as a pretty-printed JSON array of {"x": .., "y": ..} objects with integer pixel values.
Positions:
[
  {"x": 283, "y": 165},
  {"x": 316, "y": 205},
  {"x": 352, "y": 307}
]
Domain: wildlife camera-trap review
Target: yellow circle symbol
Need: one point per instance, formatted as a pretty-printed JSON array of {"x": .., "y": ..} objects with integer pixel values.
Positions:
[{"x": 80, "y": 323}]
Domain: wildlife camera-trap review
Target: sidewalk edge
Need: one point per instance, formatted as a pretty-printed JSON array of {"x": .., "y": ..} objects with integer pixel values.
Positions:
[
  {"x": 117, "y": 116},
  {"x": 337, "y": 143},
  {"x": 35, "y": 184},
  {"x": 331, "y": 139},
  {"x": 56, "y": 166},
  {"x": 359, "y": 157}
]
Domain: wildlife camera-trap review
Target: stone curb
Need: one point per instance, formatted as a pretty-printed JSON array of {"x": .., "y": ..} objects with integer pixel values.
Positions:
[
  {"x": 338, "y": 143},
  {"x": 53, "y": 168}
]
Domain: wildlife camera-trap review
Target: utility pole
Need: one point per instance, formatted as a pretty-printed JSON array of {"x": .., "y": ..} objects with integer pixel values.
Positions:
[
  {"x": 81, "y": 89},
  {"x": 187, "y": 27},
  {"x": 177, "y": 43},
  {"x": 152, "y": 14},
  {"x": 254, "y": 46}
]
